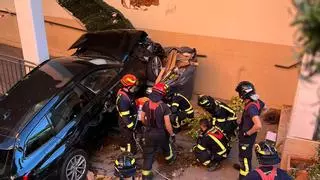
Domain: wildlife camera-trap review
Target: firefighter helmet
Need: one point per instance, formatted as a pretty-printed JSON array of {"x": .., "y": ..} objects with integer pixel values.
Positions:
[
  {"x": 245, "y": 90},
  {"x": 129, "y": 80},
  {"x": 160, "y": 88},
  {"x": 125, "y": 166},
  {"x": 266, "y": 154}
]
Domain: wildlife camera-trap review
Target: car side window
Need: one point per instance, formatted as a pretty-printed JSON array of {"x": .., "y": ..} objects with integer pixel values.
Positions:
[
  {"x": 68, "y": 108},
  {"x": 99, "y": 79},
  {"x": 39, "y": 136}
]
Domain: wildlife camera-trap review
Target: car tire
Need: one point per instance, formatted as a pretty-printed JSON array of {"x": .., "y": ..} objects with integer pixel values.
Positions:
[
  {"x": 153, "y": 68},
  {"x": 75, "y": 165}
]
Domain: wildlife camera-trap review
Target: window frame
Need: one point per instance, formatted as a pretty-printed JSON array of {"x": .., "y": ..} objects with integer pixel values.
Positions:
[
  {"x": 26, "y": 143},
  {"x": 91, "y": 73}
]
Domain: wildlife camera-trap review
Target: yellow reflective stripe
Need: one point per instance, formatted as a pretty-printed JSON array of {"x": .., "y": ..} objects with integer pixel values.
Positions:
[
  {"x": 227, "y": 108},
  {"x": 221, "y": 120},
  {"x": 258, "y": 149},
  {"x": 129, "y": 147},
  {"x": 177, "y": 123},
  {"x": 116, "y": 162},
  {"x": 219, "y": 144},
  {"x": 190, "y": 111},
  {"x": 130, "y": 125},
  {"x": 232, "y": 118},
  {"x": 175, "y": 104},
  {"x": 124, "y": 113},
  {"x": 133, "y": 161},
  {"x": 206, "y": 162},
  {"x": 146, "y": 172},
  {"x": 243, "y": 148},
  {"x": 171, "y": 154},
  {"x": 204, "y": 102},
  {"x": 214, "y": 121},
  {"x": 201, "y": 147},
  {"x": 122, "y": 149},
  {"x": 246, "y": 168}
]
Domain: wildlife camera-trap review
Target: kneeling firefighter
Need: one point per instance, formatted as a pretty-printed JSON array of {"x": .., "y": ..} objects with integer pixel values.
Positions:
[
  {"x": 158, "y": 129},
  {"x": 127, "y": 112},
  {"x": 212, "y": 146},
  {"x": 268, "y": 159},
  {"x": 181, "y": 110},
  {"x": 222, "y": 115}
]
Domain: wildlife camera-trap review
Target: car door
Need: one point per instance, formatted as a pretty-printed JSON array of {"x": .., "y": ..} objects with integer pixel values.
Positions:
[
  {"x": 97, "y": 82},
  {"x": 37, "y": 147}
]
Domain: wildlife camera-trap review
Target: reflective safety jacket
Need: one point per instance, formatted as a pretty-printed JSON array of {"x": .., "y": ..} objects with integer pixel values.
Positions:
[
  {"x": 214, "y": 141},
  {"x": 127, "y": 109},
  {"x": 179, "y": 103},
  {"x": 223, "y": 117}
]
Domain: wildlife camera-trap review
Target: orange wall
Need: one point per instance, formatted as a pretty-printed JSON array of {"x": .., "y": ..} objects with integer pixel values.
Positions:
[
  {"x": 253, "y": 20},
  {"x": 240, "y": 45}
]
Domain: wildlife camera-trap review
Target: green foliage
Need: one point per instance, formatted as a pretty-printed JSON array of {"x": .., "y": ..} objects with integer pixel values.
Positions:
[
  {"x": 194, "y": 124},
  {"x": 96, "y": 15},
  {"x": 307, "y": 21},
  {"x": 314, "y": 171},
  {"x": 237, "y": 104}
]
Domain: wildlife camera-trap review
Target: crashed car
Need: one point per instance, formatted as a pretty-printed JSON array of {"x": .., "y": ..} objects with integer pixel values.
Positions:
[{"x": 50, "y": 117}]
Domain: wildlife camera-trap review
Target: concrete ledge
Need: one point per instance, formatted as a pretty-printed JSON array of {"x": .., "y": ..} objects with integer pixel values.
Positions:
[
  {"x": 283, "y": 126},
  {"x": 296, "y": 147}
]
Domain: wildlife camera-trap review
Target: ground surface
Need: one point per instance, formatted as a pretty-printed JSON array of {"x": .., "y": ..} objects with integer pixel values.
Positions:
[{"x": 185, "y": 168}]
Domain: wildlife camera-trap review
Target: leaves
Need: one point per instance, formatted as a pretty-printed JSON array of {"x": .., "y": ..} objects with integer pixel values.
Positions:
[
  {"x": 96, "y": 15},
  {"x": 236, "y": 104}
]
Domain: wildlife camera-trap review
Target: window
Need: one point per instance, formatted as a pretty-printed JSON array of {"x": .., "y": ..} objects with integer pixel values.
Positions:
[
  {"x": 68, "y": 108},
  {"x": 99, "y": 79},
  {"x": 39, "y": 136}
]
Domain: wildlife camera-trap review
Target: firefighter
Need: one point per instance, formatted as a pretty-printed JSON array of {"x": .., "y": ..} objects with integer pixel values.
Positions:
[
  {"x": 181, "y": 110},
  {"x": 268, "y": 160},
  {"x": 222, "y": 115},
  {"x": 127, "y": 112},
  {"x": 158, "y": 130},
  {"x": 249, "y": 126},
  {"x": 212, "y": 146}
]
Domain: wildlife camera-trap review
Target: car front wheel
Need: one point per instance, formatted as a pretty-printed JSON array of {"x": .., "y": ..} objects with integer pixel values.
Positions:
[{"x": 75, "y": 166}]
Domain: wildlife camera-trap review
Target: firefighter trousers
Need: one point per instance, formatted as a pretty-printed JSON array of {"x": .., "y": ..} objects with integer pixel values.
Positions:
[
  {"x": 246, "y": 144},
  {"x": 155, "y": 139},
  {"x": 127, "y": 143}
]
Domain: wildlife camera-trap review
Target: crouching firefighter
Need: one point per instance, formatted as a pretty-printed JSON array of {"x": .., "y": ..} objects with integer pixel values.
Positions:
[
  {"x": 158, "y": 129},
  {"x": 212, "y": 146},
  {"x": 127, "y": 112},
  {"x": 222, "y": 115},
  {"x": 181, "y": 110},
  {"x": 268, "y": 159}
]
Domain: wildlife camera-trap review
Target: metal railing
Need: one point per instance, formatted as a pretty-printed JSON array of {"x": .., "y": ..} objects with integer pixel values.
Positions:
[{"x": 12, "y": 69}]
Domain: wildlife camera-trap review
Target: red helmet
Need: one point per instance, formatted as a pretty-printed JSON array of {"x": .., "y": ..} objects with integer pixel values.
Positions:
[
  {"x": 129, "y": 80},
  {"x": 160, "y": 88}
]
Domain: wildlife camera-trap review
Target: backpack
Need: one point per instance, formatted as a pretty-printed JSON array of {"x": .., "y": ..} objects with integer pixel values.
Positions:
[{"x": 270, "y": 176}]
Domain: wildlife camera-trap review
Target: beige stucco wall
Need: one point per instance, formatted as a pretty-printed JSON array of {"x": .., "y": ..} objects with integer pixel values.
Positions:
[
  {"x": 240, "y": 44},
  {"x": 251, "y": 20}
]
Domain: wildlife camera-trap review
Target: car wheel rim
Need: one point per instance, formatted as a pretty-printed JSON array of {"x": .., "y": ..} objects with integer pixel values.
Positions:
[
  {"x": 156, "y": 65},
  {"x": 76, "y": 167}
]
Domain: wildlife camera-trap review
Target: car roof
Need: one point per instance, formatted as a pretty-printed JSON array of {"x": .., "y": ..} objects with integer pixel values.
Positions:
[{"x": 30, "y": 94}]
